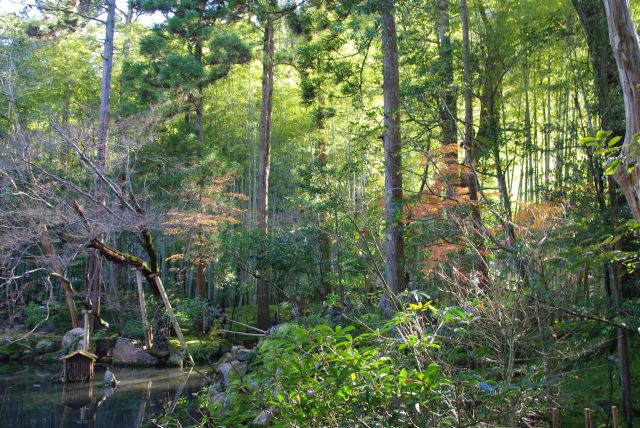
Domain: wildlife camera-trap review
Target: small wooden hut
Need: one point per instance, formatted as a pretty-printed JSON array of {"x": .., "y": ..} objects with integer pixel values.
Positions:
[{"x": 78, "y": 366}]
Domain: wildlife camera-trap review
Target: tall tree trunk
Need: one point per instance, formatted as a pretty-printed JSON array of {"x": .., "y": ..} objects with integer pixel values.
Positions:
[
  {"x": 469, "y": 145},
  {"x": 262, "y": 294},
  {"x": 448, "y": 105},
  {"x": 626, "y": 50},
  {"x": 200, "y": 280},
  {"x": 94, "y": 263},
  {"x": 394, "y": 241}
]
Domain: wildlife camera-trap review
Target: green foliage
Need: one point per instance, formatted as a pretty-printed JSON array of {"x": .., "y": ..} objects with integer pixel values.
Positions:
[
  {"x": 345, "y": 376},
  {"x": 133, "y": 329},
  {"x": 35, "y": 314},
  {"x": 183, "y": 55}
]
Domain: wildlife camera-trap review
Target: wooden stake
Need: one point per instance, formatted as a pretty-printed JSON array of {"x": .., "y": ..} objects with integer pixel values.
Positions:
[
  {"x": 143, "y": 311},
  {"x": 172, "y": 317},
  {"x": 85, "y": 338},
  {"x": 554, "y": 417},
  {"x": 587, "y": 418},
  {"x": 614, "y": 413}
]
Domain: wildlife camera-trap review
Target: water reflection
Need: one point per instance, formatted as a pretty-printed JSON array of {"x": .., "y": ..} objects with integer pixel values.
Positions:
[{"x": 29, "y": 399}]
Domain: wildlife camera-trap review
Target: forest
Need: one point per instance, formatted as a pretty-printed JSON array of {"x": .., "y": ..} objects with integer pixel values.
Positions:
[{"x": 339, "y": 213}]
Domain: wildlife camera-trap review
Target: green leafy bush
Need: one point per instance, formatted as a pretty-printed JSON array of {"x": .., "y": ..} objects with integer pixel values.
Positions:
[{"x": 35, "y": 314}]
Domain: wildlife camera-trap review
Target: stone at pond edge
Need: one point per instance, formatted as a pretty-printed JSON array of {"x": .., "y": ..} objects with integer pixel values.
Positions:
[
  {"x": 72, "y": 340},
  {"x": 225, "y": 370},
  {"x": 126, "y": 353}
]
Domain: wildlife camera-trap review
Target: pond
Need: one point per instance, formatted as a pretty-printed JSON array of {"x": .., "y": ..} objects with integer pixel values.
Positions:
[{"x": 28, "y": 398}]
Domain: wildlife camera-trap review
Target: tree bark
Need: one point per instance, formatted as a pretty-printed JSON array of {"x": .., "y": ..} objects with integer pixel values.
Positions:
[
  {"x": 394, "y": 241},
  {"x": 262, "y": 292},
  {"x": 200, "y": 281},
  {"x": 626, "y": 50}
]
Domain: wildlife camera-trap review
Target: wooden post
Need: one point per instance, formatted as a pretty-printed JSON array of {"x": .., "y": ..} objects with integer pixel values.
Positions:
[
  {"x": 143, "y": 311},
  {"x": 587, "y": 417},
  {"x": 554, "y": 417},
  {"x": 172, "y": 317},
  {"x": 614, "y": 413},
  {"x": 85, "y": 338}
]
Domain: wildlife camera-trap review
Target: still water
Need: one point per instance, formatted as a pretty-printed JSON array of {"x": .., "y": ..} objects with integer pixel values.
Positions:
[{"x": 29, "y": 399}]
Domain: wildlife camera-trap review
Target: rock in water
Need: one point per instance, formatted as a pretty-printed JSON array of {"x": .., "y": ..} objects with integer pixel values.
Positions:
[
  {"x": 126, "y": 353},
  {"x": 110, "y": 378},
  {"x": 72, "y": 340}
]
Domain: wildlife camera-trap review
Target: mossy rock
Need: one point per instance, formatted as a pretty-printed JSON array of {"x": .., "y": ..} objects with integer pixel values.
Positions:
[
  {"x": 51, "y": 357},
  {"x": 45, "y": 346}
]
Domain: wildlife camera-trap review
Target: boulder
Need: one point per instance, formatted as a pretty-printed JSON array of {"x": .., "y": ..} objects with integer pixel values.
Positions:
[
  {"x": 126, "y": 353},
  {"x": 72, "y": 340},
  {"x": 243, "y": 354},
  {"x": 45, "y": 346},
  {"x": 226, "y": 358},
  {"x": 225, "y": 370}
]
